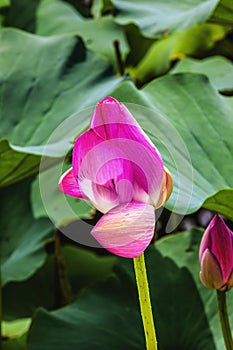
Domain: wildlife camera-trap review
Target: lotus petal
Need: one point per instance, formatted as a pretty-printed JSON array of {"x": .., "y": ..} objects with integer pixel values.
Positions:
[
  {"x": 69, "y": 185},
  {"x": 127, "y": 229}
]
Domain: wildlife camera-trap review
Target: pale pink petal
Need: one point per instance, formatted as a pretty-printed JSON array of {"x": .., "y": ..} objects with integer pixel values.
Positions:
[
  {"x": 102, "y": 197},
  {"x": 105, "y": 198},
  {"x": 139, "y": 195},
  {"x": 125, "y": 190},
  {"x": 127, "y": 229},
  {"x": 69, "y": 185}
]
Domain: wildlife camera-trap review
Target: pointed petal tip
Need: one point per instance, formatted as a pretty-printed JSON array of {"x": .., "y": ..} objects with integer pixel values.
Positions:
[
  {"x": 108, "y": 99},
  {"x": 215, "y": 220},
  {"x": 218, "y": 222}
]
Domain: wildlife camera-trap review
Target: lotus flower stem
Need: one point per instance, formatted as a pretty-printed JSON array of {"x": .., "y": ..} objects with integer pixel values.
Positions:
[
  {"x": 224, "y": 320},
  {"x": 145, "y": 303}
]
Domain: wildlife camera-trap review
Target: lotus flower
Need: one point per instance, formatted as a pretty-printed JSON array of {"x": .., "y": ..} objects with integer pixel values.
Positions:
[
  {"x": 216, "y": 255},
  {"x": 117, "y": 168}
]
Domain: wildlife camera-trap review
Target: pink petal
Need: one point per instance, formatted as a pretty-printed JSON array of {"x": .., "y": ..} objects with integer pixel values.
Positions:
[
  {"x": 127, "y": 229},
  {"x": 114, "y": 170},
  {"x": 121, "y": 187},
  {"x": 122, "y": 149},
  {"x": 104, "y": 154},
  {"x": 222, "y": 245},
  {"x": 112, "y": 120},
  {"x": 69, "y": 185},
  {"x": 84, "y": 144},
  {"x": 91, "y": 156}
]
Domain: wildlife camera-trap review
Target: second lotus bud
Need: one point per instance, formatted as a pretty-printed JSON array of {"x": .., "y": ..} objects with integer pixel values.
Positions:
[{"x": 216, "y": 256}]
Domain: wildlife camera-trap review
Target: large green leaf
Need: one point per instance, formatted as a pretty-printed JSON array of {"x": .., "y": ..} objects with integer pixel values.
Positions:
[
  {"x": 16, "y": 166},
  {"x": 160, "y": 17},
  {"x": 65, "y": 14},
  {"x": 20, "y": 299},
  {"x": 55, "y": 17},
  {"x": 183, "y": 249},
  {"x": 218, "y": 69},
  {"x": 196, "y": 41},
  {"x": 221, "y": 202},
  {"x": 185, "y": 112},
  {"x": 229, "y": 101},
  {"x": 22, "y": 238},
  {"x": 55, "y": 77},
  {"x": 98, "y": 34},
  {"x": 107, "y": 316}
]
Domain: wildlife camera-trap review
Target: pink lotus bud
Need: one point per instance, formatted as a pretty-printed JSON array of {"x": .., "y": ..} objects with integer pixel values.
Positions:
[{"x": 216, "y": 255}]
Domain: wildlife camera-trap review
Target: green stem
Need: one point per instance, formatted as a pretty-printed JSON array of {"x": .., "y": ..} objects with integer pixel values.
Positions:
[
  {"x": 224, "y": 320},
  {"x": 64, "y": 290},
  {"x": 120, "y": 62},
  {"x": 145, "y": 304}
]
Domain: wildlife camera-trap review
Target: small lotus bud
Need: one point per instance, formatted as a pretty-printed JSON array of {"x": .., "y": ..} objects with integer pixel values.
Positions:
[{"x": 216, "y": 255}]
